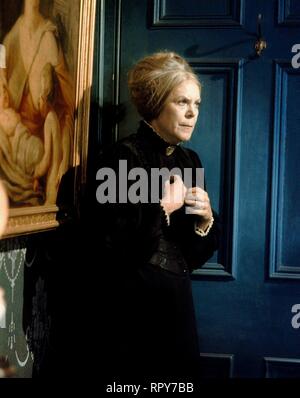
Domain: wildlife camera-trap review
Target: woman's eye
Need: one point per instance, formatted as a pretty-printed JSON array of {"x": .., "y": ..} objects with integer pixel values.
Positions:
[{"x": 182, "y": 102}]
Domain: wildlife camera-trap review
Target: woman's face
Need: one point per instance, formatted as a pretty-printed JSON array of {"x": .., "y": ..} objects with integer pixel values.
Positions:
[{"x": 179, "y": 115}]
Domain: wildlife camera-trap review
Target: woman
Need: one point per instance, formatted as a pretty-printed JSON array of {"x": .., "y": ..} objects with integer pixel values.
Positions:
[{"x": 150, "y": 248}]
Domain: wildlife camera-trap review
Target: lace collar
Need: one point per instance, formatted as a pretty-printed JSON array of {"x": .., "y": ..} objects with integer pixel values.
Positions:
[{"x": 168, "y": 148}]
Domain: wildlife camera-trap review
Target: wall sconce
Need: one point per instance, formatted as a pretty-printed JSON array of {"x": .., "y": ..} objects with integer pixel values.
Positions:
[{"x": 260, "y": 44}]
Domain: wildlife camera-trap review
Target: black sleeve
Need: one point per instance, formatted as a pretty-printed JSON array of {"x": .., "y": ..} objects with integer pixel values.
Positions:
[
  {"x": 197, "y": 249},
  {"x": 129, "y": 232}
]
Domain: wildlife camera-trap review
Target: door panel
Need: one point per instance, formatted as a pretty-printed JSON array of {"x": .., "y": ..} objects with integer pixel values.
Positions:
[
  {"x": 217, "y": 131},
  {"x": 247, "y": 138},
  {"x": 285, "y": 219},
  {"x": 170, "y": 13}
]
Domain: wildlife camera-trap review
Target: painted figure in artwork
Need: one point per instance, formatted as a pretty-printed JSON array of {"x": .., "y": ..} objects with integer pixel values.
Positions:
[
  {"x": 41, "y": 93},
  {"x": 51, "y": 163},
  {"x": 20, "y": 153}
]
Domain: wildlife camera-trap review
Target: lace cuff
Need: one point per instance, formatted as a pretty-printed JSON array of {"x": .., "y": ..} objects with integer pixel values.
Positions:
[
  {"x": 200, "y": 231},
  {"x": 166, "y": 215}
]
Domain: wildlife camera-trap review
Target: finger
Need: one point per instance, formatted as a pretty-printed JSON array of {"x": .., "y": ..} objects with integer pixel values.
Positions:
[
  {"x": 195, "y": 210},
  {"x": 198, "y": 192},
  {"x": 204, "y": 214},
  {"x": 176, "y": 177},
  {"x": 195, "y": 203},
  {"x": 179, "y": 184},
  {"x": 198, "y": 197},
  {"x": 197, "y": 189},
  {"x": 166, "y": 187}
]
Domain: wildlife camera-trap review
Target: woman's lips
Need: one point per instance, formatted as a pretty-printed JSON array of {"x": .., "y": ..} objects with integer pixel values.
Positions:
[{"x": 186, "y": 126}]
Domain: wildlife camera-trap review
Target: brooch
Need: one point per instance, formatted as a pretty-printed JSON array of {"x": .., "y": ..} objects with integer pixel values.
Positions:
[{"x": 170, "y": 149}]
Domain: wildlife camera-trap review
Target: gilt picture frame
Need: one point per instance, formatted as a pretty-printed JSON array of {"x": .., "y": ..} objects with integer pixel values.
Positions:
[{"x": 46, "y": 65}]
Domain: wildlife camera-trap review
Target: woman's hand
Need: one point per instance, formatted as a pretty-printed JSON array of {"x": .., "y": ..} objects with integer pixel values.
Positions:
[
  {"x": 173, "y": 195},
  {"x": 198, "y": 203}
]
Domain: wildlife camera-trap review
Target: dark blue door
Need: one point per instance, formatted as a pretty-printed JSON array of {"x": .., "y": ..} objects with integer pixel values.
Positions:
[{"x": 248, "y": 139}]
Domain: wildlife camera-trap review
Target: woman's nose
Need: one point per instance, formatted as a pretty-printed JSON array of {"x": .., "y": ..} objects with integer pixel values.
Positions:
[{"x": 190, "y": 112}]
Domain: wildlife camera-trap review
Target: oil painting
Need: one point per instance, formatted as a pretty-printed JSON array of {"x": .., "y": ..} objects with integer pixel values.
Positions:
[{"x": 42, "y": 87}]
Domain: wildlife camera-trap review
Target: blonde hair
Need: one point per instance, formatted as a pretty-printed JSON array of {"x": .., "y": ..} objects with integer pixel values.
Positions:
[{"x": 152, "y": 79}]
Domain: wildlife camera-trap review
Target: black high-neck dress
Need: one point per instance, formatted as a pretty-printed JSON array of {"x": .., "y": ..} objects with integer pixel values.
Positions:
[{"x": 147, "y": 312}]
